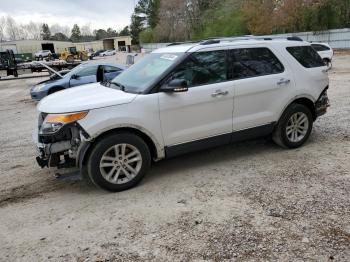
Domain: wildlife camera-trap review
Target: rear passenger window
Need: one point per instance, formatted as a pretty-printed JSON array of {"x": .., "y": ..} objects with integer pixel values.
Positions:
[
  {"x": 203, "y": 68},
  {"x": 306, "y": 56},
  {"x": 253, "y": 62}
]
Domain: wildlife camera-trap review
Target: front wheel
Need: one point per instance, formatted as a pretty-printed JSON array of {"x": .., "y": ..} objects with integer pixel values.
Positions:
[
  {"x": 119, "y": 161},
  {"x": 294, "y": 127}
]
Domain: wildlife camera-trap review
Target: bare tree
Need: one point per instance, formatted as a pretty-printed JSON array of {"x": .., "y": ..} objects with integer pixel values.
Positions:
[
  {"x": 2, "y": 28},
  {"x": 56, "y": 28},
  {"x": 12, "y": 28},
  {"x": 86, "y": 30},
  {"x": 34, "y": 30}
]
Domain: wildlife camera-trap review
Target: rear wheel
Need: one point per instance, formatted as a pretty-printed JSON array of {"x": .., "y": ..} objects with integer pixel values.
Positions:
[
  {"x": 294, "y": 127},
  {"x": 119, "y": 162}
]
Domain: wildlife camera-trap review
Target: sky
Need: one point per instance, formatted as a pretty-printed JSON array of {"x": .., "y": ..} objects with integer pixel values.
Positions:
[{"x": 98, "y": 13}]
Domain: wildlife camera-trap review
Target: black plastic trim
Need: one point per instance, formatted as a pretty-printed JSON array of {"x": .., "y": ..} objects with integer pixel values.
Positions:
[
  {"x": 322, "y": 103},
  {"x": 250, "y": 133}
]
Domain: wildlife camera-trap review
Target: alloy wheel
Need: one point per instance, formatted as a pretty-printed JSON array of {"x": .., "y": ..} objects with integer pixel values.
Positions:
[
  {"x": 297, "y": 127},
  {"x": 120, "y": 163}
]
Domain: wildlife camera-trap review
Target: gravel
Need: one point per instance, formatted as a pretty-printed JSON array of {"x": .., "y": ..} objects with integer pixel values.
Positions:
[{"x": 243, "y": 202}]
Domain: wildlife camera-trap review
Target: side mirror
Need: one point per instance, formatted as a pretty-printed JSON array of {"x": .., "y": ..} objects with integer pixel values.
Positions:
[
  {"x": 75, "y": 77},
  {"x": 175, "y": 86}
]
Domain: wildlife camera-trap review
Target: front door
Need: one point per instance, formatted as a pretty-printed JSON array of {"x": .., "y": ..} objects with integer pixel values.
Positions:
[{"x": 205, "y": 110}]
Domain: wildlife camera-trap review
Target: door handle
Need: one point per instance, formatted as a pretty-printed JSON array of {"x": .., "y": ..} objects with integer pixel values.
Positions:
[
  {"x": 219, "y": 93},
  {"x": 283, "y": 81}
]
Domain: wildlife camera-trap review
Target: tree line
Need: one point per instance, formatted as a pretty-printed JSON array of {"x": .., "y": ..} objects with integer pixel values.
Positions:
[
  {"x": 11, "y": 30},
  {"x": 179, "y": 20}
]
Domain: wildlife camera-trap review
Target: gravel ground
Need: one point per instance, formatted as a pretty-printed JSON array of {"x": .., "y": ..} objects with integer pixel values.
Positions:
[{"x": 244, "y": 202}]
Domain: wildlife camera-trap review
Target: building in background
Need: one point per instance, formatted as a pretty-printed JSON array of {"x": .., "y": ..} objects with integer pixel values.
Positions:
[{"x": 120, "y": 43}]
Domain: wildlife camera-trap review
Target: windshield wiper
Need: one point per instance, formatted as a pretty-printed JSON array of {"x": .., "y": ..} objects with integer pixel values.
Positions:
[{"x": 122, "y": 88}]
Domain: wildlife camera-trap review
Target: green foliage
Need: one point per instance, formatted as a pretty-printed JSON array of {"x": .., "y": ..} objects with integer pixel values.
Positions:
[
  {"x": 125, "y": 31},
  {"x": 111, "y": 32},
  {"x": 328, "y": 15},
  {"x": 226, "y": 23},
  {"x": 59, "y": 37},
  {"x": 149, "y": 35},
  {"x": 45, "y": 32},
  {"x": 136, "y": 28},
  {"x": 76, "y": 35},
  {"x": 148, "y": 10},
  {"x": 100, "y": 34},
  {"x": 153, "y": 21}
]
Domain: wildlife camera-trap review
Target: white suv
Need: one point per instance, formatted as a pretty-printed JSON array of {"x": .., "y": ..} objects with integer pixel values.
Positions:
[
  {"x": 42, "y": 54},
  {"x": 325, "y": 51},
  {"x": 180, "y": 99}
]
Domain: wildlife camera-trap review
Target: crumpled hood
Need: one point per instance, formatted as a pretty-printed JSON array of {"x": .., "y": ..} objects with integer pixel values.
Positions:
[{"x": 82, "y": 98}]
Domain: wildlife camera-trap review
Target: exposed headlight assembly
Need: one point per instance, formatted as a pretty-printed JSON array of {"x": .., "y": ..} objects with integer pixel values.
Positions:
[{"x": 54, "y": 122}]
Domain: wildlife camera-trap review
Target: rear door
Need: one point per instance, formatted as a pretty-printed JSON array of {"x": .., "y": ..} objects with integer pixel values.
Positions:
[
  {"x": 261, "y": 84},
  {"x": 205, "y": 110},
  {"x": 86, "y": 75}
]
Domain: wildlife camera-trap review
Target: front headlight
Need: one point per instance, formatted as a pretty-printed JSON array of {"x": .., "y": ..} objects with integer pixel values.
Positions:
[
  {"x": 39, "y": 87},
  {"x": 54, "y": 122}
]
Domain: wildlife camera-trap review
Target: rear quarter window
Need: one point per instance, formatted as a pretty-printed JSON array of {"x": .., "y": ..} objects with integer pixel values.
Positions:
[{"x": 306, "y": 56}]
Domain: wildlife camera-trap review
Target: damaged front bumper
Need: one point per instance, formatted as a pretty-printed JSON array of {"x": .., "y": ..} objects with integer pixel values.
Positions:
[{"x": 62, "y": 149}]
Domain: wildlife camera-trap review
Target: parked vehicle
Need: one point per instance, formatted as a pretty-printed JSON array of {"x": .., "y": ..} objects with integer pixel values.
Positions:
[
  {"x": 83, "y": 74},
  {"x": 180, "y": 99},
  {"x": 325, "y": 51},
  {"x": 42, "y": 54},
  {"x": 11, "y": 66},
  {"x": 98, "y": 52},
  {"x": 108, "y": 53}
]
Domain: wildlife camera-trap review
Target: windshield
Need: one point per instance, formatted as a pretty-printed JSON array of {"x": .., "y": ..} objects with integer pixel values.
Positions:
[
  {"x": 141, "y": 75},
  {"x": 76, "y": 70}
]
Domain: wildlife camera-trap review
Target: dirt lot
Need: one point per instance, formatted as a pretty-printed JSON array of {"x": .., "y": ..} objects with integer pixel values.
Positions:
[{"x": 248, "y": 201}]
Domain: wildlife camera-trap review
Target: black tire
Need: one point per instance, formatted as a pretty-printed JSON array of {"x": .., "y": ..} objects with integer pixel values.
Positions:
[
  {"x": 102, "y": 146},
  {"x": 279, "y": 135}
]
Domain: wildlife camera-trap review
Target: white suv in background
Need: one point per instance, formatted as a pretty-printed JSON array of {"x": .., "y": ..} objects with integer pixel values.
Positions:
[
  {"x": 42, "y": 54},
  {"x": 180, "y": 99},
  {"x": 325, "y": 51}
]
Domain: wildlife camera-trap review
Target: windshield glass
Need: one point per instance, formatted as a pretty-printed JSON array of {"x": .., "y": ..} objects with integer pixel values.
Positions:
[
  {"x": 141, "y": 75},
  {"x": 75, "y": 70}
]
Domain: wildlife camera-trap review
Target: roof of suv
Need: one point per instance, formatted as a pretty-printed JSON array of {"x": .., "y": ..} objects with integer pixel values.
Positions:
[{"x": 213, "y": 44}]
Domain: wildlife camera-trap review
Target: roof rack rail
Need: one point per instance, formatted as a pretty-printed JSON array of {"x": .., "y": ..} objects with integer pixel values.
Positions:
[
  {"x": 217, "y": 40},
  {"x": 185, "y": 42},
  {"x": 210, "y": 42}
]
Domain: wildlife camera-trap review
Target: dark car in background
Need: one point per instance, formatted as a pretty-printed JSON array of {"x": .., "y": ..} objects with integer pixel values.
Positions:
[
  {"x": 98, "y": 52},
  {"x": 83, "y": 74}
]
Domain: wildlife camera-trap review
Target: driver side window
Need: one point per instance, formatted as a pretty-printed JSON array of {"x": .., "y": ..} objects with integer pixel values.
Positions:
[
  {"x": 203, "y": 68},
  {"x": 88, "y": 71}
]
